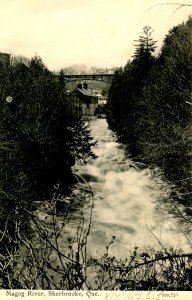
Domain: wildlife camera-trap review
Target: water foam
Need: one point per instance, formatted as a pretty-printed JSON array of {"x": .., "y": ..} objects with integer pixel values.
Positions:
[{"x": 124, "y": 201}]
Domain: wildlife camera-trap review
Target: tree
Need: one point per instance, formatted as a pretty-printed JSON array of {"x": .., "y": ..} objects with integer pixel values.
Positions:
[
  {"x": 40, "y": 139},
  {"x": 114, "y": 105},
  {"x": 154, "y": 112},
  {"x": 145, "y": 42},
  {"x": 125, "y": 103}
]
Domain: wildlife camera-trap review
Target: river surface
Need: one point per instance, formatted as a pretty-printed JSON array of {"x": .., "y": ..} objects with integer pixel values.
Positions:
[
  {"x": 127, "y": 202},
  {"x": 126, "y": 206}
]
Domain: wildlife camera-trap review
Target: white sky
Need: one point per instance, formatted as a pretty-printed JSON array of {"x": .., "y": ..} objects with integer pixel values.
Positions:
[{"x": 93, "y": 32}]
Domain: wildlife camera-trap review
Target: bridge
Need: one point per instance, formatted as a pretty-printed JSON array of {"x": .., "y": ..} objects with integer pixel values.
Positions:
[{"x": 84, "y": 77}]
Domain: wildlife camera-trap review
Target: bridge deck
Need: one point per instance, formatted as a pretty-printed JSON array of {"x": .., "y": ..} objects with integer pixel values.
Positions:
[
  {"x": 88, "y": 75},
  {"x": 98, "y": 77}
]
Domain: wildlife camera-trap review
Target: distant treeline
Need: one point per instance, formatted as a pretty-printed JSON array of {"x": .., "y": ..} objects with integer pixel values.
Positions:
[
  {"x": 40, "y": 140},
  {"x": 150, "y": 103}
]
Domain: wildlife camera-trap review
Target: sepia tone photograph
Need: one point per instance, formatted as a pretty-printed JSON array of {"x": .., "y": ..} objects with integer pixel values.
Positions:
[{"x": 95, "y": 146}]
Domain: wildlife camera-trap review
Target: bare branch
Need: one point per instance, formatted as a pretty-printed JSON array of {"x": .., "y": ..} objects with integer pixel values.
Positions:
[{"x": 170, "y": 3}]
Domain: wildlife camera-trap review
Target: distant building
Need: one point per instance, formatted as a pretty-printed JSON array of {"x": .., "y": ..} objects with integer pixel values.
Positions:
[
  {"x": 83, "y": 101},
  {"x": 4, "y": 59},
  {"x": 102, "y": 101},
  {"x": 97, "y": 93}
]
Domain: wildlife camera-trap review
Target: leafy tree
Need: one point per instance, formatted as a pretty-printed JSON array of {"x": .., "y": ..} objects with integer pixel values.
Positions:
[
  {"x": 115, "y": 97},
  {"x": 40, "y": 138},
  {"x": 176, "y": 58}
]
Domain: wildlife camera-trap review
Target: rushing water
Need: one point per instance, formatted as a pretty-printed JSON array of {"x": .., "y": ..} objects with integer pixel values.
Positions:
[{"x": 127, "y": 202}]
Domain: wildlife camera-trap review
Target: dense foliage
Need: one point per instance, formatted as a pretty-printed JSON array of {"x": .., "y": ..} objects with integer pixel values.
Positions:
[
  {"x": 150, "y": 104},
  {"x": 40, "y": 138}
]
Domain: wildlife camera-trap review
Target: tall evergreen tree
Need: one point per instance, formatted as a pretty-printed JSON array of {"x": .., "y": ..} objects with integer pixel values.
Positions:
[
  {"x": 127, "y": 106},
  {"x": 146, "y": 42}
]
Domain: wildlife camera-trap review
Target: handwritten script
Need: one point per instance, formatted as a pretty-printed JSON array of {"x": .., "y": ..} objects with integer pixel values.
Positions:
[{"x": 141, "y": 295}]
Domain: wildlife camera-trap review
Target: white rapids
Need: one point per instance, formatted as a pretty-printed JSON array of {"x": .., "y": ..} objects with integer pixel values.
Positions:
[{"x": 126, "y": 202}]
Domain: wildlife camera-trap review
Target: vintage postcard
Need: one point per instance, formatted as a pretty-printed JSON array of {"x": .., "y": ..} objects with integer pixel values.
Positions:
[{"x": 95, "y": 149}]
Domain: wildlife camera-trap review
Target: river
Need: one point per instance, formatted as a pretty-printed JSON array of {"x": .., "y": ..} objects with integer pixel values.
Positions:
[{"x": 126, "y": 206}]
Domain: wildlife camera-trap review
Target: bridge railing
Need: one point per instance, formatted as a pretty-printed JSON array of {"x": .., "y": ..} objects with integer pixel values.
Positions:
[{"x": 97, "y": 77}]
